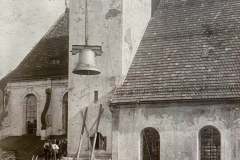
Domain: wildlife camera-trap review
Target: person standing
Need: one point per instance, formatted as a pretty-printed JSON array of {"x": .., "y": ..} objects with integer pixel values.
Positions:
[
  {"x": 55, "y": 149},
  {"x": 46, "y": 149}
]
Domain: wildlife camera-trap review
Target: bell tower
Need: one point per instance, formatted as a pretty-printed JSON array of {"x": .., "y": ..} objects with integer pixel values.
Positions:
[{"x": 103, "y": 39}]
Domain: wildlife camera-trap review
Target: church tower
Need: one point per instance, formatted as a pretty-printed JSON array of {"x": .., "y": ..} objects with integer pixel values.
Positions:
[{"x": 113, "y": 29}]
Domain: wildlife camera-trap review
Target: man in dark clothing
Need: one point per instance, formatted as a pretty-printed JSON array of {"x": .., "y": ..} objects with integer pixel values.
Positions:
[{"x": 46, "y": 149}]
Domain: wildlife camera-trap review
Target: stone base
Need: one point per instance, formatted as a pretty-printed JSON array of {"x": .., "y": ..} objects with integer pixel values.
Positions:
[{"x": 43, "y": 134}]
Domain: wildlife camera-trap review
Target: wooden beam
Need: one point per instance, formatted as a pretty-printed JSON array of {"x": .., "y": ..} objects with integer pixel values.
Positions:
[
  {"x": 95, "y": 136},
  {"x": 82, "y": 132}
]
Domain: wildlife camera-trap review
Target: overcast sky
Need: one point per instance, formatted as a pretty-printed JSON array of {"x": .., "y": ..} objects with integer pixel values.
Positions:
[{"x": 22, "y": 24}]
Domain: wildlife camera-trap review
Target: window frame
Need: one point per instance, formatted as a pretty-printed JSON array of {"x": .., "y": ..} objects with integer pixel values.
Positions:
[
  {"x": 31, "y": 113},
  {"x": 144, "y": 137},
  {"x": 219, "y": 149}
]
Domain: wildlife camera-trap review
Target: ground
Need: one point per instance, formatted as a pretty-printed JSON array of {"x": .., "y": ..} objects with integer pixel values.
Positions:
[{"x": 23, "y": 147}]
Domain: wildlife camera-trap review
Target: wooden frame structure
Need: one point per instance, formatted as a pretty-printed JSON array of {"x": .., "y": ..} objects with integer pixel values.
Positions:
[{"x": 86, "y": 131}]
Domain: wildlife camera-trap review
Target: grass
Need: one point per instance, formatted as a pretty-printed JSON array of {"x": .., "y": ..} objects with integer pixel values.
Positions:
[{"x": 24, "y": 146}]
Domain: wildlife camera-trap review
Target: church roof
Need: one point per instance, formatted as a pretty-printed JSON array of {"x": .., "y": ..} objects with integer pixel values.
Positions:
[
  {"x": 190, "y": 50},
  {"x": 48, "y": 59}
]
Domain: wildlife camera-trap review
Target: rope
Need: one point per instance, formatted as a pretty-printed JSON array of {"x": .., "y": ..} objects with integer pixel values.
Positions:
[{"x": 86, "y": 22}]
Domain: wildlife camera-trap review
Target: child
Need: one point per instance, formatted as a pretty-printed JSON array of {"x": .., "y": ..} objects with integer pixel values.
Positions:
[{"x": 55, "y": 149}]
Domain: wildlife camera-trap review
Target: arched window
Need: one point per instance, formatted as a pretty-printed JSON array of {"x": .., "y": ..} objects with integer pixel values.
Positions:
[
  {"x": 65, "y": 113},
  {"x": 150, "y": 144},
  {"x": 210, "y": 143},
  {"x": 31, "y": 114}
]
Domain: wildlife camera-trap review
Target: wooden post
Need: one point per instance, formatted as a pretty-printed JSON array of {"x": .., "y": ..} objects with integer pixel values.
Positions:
[
  {"x": 95, "y": 136},
  {"x": 87, "y": 130},
  {"x": 82, "y": 132}
]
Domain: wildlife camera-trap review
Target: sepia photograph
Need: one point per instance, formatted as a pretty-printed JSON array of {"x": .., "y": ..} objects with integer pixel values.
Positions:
[{"x": 119, "y": 80}]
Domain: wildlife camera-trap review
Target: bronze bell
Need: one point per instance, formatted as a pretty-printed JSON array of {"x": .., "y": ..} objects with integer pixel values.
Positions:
[{"x": 86, "y": 63}]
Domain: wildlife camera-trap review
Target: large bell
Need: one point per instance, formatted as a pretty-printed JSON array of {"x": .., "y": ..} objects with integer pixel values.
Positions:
[{"x": 86, "y": 63}]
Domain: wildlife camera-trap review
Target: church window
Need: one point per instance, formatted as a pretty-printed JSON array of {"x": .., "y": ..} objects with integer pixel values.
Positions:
[
  {"x": 31, "y": 114},
  {"x": 210, "y": 143},
  {"x": 95, "y": 96},
  {"x": 150, "y": 144},
  {"x": 55, "y": 61}
]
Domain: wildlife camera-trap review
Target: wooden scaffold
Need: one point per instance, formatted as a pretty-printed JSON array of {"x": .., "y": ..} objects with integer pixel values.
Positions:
[{"x": 85, "y": 132}]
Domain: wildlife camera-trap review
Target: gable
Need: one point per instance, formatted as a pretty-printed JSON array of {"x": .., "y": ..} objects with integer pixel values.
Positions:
[{"x": 48, "y": 59}]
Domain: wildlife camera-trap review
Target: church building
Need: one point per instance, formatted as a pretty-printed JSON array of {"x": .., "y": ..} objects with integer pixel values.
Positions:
[
  {"x": 169, "y": 80},
  {"x": 27, "y": 103},
  {"x": 134, "y": 79}
]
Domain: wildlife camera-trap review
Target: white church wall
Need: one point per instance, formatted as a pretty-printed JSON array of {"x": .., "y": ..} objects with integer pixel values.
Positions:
[
  {"x": 178, "y": 125},
  {"x": 17, "y": 105}
]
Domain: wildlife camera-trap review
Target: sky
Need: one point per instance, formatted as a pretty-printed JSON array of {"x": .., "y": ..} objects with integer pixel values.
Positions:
[{"x": 22, "y": 25}]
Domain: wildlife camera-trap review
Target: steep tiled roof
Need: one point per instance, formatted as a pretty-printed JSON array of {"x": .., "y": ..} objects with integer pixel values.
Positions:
[
  {"x": 190, "y": 50},
  {"x": 48, "y": 59}
]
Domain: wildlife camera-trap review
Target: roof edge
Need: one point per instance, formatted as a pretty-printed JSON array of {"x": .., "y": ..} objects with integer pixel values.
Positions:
[
  {"x": 56, "y": 22},
  {"x": 154, "y": 101}
]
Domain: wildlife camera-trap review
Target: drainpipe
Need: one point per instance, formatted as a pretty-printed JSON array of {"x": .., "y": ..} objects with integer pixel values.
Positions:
[{"x": 48, "y": 92}]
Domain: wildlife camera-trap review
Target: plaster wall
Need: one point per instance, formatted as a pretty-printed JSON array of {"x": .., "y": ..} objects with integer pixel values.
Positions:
[
  {"x": 178, "y": 125},
  {"x": 117, "y": 27},
  {"x": 17, "y": 106}
]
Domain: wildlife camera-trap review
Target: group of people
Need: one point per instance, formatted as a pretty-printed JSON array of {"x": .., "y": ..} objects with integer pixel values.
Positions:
[{"x": 55, "y": 149}]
